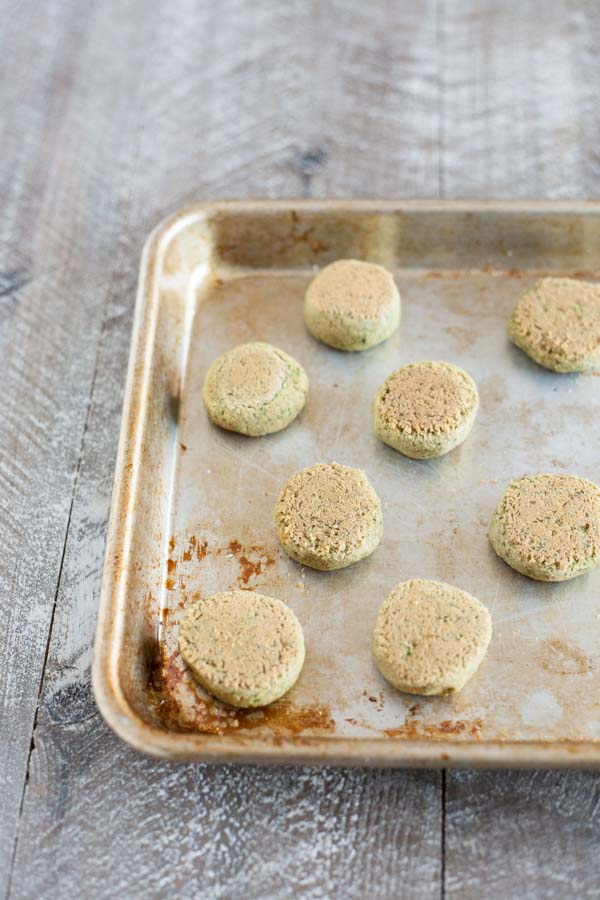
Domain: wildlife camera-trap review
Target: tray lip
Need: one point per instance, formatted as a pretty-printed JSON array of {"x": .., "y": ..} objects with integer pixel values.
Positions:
[{"x": 181, "y": 746}]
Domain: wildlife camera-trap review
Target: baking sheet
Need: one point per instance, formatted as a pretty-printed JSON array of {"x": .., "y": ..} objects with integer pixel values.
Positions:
[{"x": 192, "y": 508}]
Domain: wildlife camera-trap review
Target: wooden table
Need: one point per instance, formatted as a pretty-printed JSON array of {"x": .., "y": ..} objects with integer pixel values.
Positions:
[{"x": 114, "y": 114}]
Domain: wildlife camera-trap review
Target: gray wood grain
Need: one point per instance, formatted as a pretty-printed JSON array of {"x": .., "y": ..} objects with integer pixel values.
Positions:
[
  {"x": 522, "y": 834},
  {"x": 59, "y": 221},
  {"x": 518, "y": 98},
  {"x": 236, "y": 119},
  {"x": 138, "y": 828},
  {"x": 131, "y": 110}
]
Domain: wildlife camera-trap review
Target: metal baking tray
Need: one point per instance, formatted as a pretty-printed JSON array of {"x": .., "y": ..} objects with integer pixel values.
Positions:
[{"x": 192, "y": 505}]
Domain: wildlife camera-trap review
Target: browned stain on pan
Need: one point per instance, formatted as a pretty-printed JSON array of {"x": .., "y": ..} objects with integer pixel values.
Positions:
[
  {"x": 512, "y": 272},
  {"x": 201, "y": 550},
  {"x": 162, "y": 704},
  {"x": 316, "y": 245},
  {"x": 414, "y": 729},
  {"x": 378, "y": 699},
  {"x": 197, "y": 547},
  {"x": 362, "y": 724},
  {"x": 282, "y": 715},
  {"x": 250, "y": 568},
  {"x": 587, "y": 273},
  {"x": 463, "y": 337},
  {"x": 252, "y": 559},
  {"x": 562, "y": 658},
  {"x": 439, "y": 274},
  {"x": 166, "y": 677}
]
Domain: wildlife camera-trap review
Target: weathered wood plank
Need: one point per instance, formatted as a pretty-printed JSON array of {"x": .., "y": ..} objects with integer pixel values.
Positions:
[
  {"x": 519, "y": 99},
  {"x": 58, "y": 222},
  {"x": 130, "y": 827},
  {"x": 373, "y": 116},
  {"x": 522, "y": 834},
  {"x": 226, "y": 108},
  {"x": 518, "y": 113}
]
